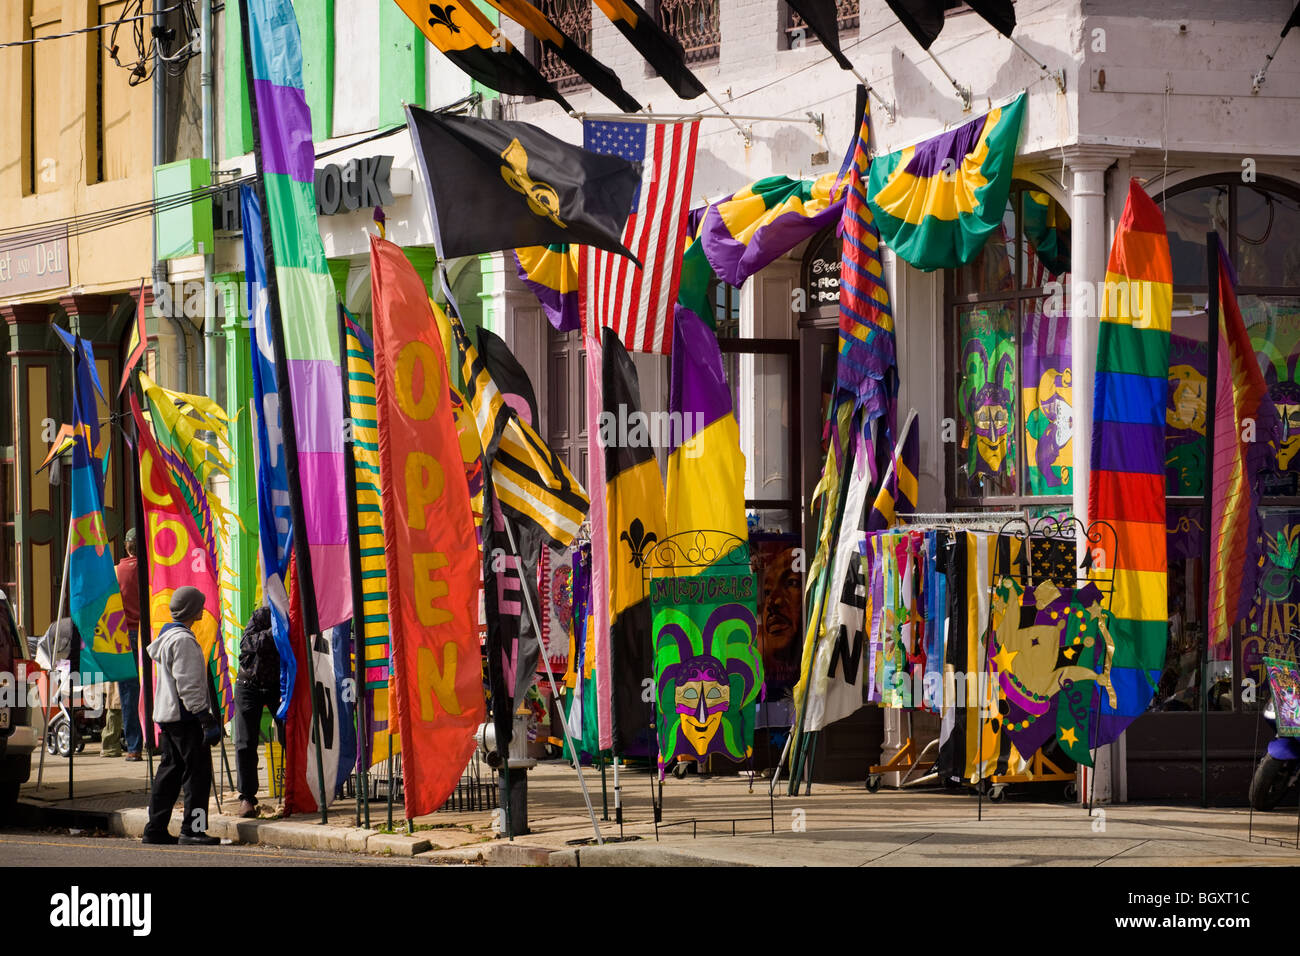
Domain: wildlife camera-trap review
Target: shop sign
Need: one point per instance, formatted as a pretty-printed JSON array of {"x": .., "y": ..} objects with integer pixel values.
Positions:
[
  {"x": 361, "y": 183},
  {"x": 824, "y": 273},
  {"x": 35, "y": 266}
]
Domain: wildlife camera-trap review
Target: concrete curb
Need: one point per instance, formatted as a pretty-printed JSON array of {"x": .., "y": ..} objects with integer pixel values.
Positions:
[
  {"x": 632, "y": 854},
  {"x": 492, "y": 854},
  {"x": 289, "y": 834},
  {"x": 303, "y": 835}
]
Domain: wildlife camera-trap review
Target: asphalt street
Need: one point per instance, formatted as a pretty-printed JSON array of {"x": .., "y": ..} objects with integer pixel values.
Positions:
[{"x": 35, "y": 848}]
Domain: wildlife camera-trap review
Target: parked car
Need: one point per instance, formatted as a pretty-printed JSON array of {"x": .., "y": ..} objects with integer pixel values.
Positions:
[{"x": 17, "y": 736}]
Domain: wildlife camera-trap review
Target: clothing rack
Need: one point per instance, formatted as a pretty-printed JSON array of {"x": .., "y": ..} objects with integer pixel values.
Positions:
[{"x": 992, "y": 520}]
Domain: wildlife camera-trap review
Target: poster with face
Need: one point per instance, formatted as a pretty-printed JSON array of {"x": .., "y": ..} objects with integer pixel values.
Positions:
[
  {"x": 1274, "y": 329},
  {"x": 1048, "y": 404},
  {"x": 1185, "y": 416},
  {"x": 780, "y": 609},
  {"x": 985, "y": 396},
  {"x": 707, "y": 665},
  {"x": 1284, "y": 677}
]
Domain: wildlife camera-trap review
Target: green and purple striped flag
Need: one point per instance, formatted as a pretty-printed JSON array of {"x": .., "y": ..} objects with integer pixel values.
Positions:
[{"x": 306, "y": 295}]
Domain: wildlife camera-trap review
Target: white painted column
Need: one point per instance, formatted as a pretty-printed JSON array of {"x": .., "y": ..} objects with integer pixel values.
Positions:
[{"x": 1089, "y": 249}]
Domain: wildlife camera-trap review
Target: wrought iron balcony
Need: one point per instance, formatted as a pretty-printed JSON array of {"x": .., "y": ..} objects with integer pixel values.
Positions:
[
  {"x": 846, "y": 16},
  {"x": 573, "y": 17},
  {"x": 696, "y": 25}
]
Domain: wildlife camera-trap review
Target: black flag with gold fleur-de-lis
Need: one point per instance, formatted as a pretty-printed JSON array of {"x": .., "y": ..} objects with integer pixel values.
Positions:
[{"x": 500, "y": 184}]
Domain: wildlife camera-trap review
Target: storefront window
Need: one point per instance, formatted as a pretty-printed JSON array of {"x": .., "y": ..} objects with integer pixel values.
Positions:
[
  {"x": 1012, "y": 402},
  {"x": 1259, "y": 225}
]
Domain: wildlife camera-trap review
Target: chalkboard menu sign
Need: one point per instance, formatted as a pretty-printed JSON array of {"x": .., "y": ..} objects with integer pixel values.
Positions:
[{"x": 823, "y": 275}]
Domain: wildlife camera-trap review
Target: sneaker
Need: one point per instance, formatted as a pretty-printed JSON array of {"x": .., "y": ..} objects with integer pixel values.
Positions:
[
  {"x": 110, "y": 753},
  {"x": 134, "y": 757},
  {"x": 165, "y": 840},
  {"x": 199, "y": 839},
  {"x": 247, "y": 809}
]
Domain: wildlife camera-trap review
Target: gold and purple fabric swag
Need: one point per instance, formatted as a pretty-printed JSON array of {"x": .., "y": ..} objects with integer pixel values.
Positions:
[{"x": 936, "y": 202}]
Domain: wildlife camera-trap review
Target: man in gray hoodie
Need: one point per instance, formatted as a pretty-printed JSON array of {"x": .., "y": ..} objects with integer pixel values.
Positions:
[{"x": 182, "y": 709}]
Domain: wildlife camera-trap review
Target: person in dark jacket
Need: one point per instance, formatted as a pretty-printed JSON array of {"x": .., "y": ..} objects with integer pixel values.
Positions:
[
  {"x": 189, "y": 726},
  {"x": 257, "y": 685}
]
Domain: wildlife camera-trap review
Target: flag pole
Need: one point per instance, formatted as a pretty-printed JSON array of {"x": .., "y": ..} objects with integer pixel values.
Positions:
[
  {"x": 799, "y": 751},
  {"x": 1211, "y": 398},
  {"x": 144, "y": 634},
  {"x": 354, "y": 560},
  {"x": 555, "y": 694},
  {"x": 302, "y": 552}
]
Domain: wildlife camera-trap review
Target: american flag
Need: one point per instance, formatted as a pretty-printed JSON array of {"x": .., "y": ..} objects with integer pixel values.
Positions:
[{"x": 638, "y": 303}]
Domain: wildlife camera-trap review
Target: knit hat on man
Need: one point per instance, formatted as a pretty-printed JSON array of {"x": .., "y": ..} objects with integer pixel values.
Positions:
[{"x": 187, "y": 604}]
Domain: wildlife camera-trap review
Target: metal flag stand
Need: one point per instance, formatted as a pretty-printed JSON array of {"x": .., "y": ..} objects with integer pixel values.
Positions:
[{"x": 688, "y": 553}]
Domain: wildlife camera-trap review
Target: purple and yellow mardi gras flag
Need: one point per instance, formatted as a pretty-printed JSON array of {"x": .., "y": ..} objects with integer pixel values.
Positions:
[
  {"x": 551, "y": 272},
  {"x": 94, "y": 602},
  {"x": 706, "y": 468},
  {"x": 1246, "y": 431},
  {"x": 306, "y": 296},
  {"x": 935, "y": 203}
]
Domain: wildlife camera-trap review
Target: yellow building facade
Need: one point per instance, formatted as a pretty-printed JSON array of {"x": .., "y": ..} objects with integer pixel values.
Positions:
[{"x": 75, "y": 157}]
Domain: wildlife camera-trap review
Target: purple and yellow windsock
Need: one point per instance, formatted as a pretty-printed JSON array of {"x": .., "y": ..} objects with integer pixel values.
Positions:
[
  {"x": 1127, "y": 485},
  {"x": 867, "y": 356},
  {"x": 306, "y": 294},
  {"x": 551, "y": 273}
]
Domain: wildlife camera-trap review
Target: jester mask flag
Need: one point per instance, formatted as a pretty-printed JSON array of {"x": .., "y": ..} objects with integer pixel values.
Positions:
[
  {"x": 431, "y": 549},
  {"x": 94, "y": 602},
  {"x": 708, "y": 670},
  {"x": 1246, "y": 433},
  {"x": 286, "y": 161},
  {"x": 936, "y": 203},
  {"x": 1127, "y": 486}
]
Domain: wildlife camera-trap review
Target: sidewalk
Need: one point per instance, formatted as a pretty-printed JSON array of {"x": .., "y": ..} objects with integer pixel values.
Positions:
[{"x": 836, "y": 825}]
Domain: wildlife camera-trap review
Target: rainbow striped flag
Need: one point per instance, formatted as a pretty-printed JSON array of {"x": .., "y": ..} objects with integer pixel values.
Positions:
[
  {"x": 1127, "y": 487},
  {"x": 287, "y": 162},
  {"x": 370, "y": 525},
  {"x": 1246, "y": 432}
]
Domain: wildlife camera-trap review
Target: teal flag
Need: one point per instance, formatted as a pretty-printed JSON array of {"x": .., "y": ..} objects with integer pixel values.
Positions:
[{"x": 94, "y": 602}]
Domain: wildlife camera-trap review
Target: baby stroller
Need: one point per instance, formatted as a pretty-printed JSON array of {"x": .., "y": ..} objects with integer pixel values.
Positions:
[{"x": 79, "y": 710}]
